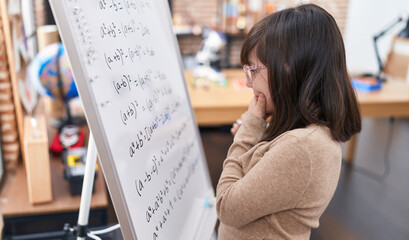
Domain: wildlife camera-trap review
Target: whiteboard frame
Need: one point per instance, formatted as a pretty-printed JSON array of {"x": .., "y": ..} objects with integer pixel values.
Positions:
[{"x": 206, "y": 228}]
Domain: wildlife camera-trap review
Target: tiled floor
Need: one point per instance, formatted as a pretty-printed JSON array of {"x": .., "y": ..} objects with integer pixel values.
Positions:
[{"x": 371, "y": 203}]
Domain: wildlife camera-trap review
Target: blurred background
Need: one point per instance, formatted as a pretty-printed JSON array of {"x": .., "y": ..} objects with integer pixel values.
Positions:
[{"x": 372, "y": 199}]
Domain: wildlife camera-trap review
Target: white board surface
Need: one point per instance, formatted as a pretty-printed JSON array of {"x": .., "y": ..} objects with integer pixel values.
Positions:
[{"x": 128, "y": 71}]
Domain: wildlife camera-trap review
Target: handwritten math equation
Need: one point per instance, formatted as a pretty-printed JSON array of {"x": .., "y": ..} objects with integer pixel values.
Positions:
[
  {"x": 128, "y": 81},
  {"x": 124, "y": 29},
  {"x": 146, "y": 133},
  {"x": 129, "y": 55},
  {"x": 140, "y": 6}
]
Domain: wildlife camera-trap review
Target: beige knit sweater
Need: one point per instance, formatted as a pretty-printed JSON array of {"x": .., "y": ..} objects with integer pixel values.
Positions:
[{"x": 277, "y": 189}]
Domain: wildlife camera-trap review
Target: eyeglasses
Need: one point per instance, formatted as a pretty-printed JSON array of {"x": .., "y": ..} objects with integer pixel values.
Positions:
[{"x": 251, "y": 71}]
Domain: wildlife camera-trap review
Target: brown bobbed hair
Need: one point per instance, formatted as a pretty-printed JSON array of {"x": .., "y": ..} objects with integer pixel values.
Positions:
[{"x": 304, "y": 53}]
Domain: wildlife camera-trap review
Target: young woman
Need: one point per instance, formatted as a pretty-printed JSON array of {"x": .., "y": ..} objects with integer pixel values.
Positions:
[{"x": 283, "y": 166}]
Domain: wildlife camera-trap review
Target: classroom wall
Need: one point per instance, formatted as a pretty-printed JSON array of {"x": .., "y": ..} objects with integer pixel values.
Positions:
[
  {"x": 197, "y": 11},
  {"x": 367, "y": 18},
  {"x": 206, "y": 13},
  {"x": 194, "y": 12}
]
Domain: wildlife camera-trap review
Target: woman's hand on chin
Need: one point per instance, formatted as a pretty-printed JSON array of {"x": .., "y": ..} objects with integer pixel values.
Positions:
[{"x": 257, "y": 106}]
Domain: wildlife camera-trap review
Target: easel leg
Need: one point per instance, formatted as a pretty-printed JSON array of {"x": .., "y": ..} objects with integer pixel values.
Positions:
[{"x": 87, "y": 186}]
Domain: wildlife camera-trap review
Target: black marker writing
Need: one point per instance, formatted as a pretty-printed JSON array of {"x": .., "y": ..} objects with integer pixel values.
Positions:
[
  {"x": 129, "y": 113},
  {"x": 157, "y": 161},
  {"x": 121, "y": 57}
]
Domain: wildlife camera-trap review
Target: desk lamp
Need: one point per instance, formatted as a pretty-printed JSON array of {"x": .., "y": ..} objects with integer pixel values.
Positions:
[
  {"x": 405, "y": 32},
  {"x": 375, "y": 39}
]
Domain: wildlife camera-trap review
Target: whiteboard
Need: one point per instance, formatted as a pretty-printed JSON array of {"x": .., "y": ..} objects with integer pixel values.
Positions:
[{"x": 129, "y": 75}]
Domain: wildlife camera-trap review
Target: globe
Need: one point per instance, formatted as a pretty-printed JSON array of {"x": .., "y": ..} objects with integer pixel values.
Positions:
[
  {"x": 45, "y": 75},
  {"x": 50, "y": 72}
]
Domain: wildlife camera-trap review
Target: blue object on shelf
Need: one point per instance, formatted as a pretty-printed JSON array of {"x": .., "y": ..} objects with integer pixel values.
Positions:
[{"x": 366, "y": 85}]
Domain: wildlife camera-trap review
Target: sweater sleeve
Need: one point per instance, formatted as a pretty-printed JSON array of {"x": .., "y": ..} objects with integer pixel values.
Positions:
[
  {"x": 276, "y": 183},
  {"x": 248, "y": 135}
]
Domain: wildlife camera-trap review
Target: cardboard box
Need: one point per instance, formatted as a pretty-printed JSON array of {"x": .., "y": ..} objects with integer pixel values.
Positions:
[{"x": 37, "y": 160}]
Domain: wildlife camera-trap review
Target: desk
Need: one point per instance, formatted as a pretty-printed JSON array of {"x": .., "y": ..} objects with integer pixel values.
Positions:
[
  {"x": 218, "y": 105},
  {"x": 15, "y": 192},
  {"x": 223, "y": 105},
  {"x": 391, "y": 101},
  {"x": 14, "y": 196}
]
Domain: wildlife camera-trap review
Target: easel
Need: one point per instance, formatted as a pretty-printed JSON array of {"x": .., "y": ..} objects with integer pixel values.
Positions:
[
  {"x": 86, "y": 194},
  {"x": 81, "y": 230},
  {"x": 87, "y": 186},
  {"x": 84, "y": 44}
]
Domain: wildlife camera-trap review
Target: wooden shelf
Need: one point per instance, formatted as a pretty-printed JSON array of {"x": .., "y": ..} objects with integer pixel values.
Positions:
[{"x": 14, "y": 197}]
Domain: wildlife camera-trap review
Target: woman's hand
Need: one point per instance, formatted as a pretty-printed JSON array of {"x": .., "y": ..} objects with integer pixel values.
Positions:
[
  {"x": 257, "y": 106},
  {"x": 235, "y": 127}
]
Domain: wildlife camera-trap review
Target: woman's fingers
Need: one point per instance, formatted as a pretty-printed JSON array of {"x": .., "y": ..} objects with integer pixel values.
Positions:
[
  {"x": 261, "y": 103},
  {"x": 257, "y": 106},
  {"x": 235, "y": 128}
]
